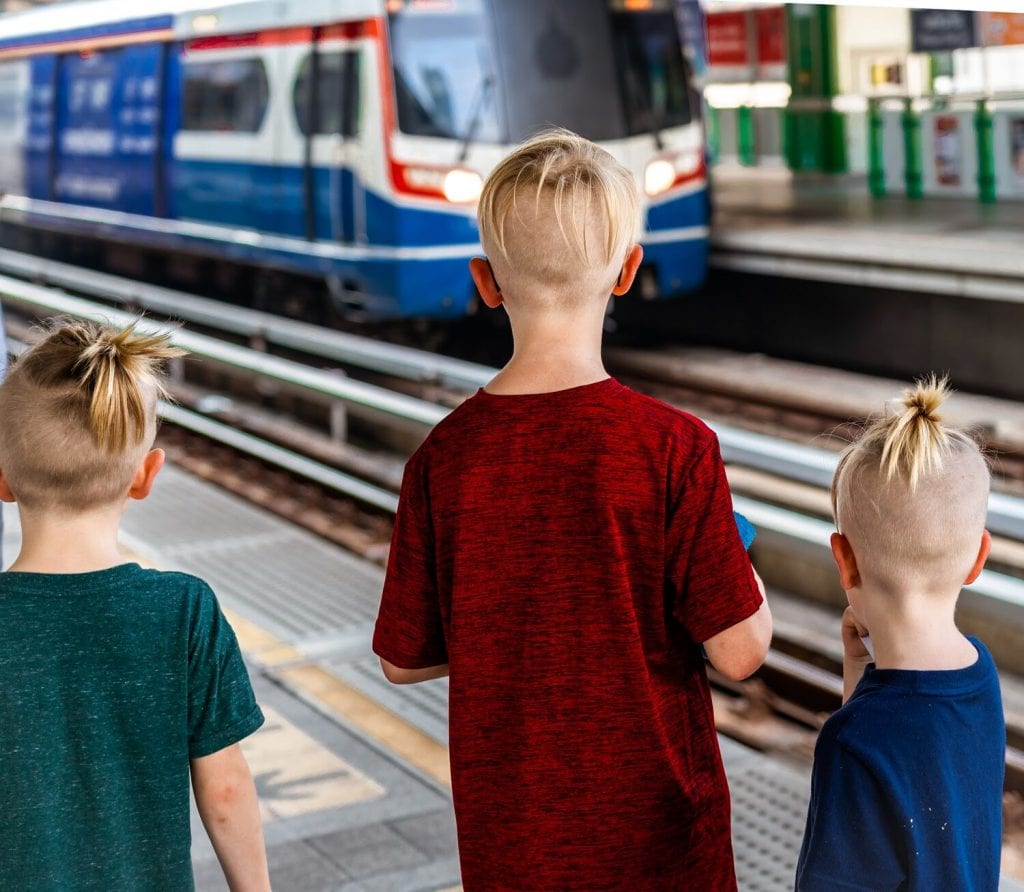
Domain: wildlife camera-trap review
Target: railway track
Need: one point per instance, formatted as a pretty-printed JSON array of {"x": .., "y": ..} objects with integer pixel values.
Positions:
[{"x": 295, "y": 439}]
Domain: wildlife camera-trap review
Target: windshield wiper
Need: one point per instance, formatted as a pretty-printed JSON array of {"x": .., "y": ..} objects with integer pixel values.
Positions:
[{"x": 483, "y": 91}]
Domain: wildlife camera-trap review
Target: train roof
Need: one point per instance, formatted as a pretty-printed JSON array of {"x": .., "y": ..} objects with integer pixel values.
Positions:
[{"x": 102, "y": 20}]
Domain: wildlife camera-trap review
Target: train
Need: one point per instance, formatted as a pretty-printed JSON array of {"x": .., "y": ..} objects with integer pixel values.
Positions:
[{"x": 341, "y": 142}]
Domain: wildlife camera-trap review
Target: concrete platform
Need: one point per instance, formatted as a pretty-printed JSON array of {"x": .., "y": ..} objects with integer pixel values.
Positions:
[
  {"x": 771, "y": 222},
  {"x": 352, "y": 773}
]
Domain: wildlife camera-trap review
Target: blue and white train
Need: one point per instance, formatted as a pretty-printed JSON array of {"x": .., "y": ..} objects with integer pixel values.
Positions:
[{"x": 345, "y": 141}]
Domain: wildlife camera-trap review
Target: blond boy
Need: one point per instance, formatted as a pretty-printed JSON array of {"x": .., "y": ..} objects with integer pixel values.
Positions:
[
  {"x": 116, "y": 682},
  {"x": 908, "y": 775},
  {"x": 563, "y": 548}
]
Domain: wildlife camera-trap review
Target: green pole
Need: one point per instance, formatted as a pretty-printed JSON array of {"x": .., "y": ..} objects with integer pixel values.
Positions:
[
  {"x": 912, "y": 173},
  {"x": 876, "y": 149},
  {"x": 714, "y": 132},
  {"x": 986, "y": 153},
  {"x": 745, "y": 135}
]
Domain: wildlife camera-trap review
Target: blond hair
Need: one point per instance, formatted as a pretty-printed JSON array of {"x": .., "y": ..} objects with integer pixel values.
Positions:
[
  {"x": 912, "y": 493},
  {"x": 78, "y": 413},
  {"x": 559, "y": 214}
]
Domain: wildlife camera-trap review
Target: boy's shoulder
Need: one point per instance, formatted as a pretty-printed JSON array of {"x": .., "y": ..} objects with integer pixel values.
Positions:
[{"x": 647, "y": 418}]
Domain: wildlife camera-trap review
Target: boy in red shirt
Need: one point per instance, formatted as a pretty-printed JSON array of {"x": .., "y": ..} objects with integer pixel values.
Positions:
[{"x": 563, "y": 548}]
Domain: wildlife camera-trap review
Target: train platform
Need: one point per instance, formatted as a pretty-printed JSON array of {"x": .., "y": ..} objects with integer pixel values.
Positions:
[
  {"x": 352, "y": 773},
  {"x": 770, "y": 222}
]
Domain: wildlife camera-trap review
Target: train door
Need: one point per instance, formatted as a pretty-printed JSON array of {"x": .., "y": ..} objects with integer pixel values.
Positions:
[
  {"x": 223, "y": 144},
  {"x": 326, "y": 100}
]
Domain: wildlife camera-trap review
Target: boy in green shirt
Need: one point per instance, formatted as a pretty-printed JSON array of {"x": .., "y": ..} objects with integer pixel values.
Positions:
[{"x": 116, "y": 682}]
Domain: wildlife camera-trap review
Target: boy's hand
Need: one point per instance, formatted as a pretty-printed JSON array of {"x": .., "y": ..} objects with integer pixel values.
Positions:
[{"x": 855, "y": 655}]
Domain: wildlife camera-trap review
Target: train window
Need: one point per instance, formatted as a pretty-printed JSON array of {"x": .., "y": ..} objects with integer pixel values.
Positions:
[
  {"x": 654, "y": 77},
  {"x": 336, "y": 108},
  {"x": 225, "y": 96},
  {"x": 444, "y": 83}
]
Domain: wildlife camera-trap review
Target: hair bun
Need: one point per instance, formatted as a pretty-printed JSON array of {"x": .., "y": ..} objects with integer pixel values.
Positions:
[{"x": 926, "y": 398}]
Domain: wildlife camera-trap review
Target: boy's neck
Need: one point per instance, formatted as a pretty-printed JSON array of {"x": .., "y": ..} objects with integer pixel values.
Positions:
[
  {"x": 918, "y": 631},
  {"x": 553, "y": 351},
  {"x": 69, "y": 543}
]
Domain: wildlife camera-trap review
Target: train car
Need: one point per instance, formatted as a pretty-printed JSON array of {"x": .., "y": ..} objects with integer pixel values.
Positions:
[{"x": 344, "y": 141}]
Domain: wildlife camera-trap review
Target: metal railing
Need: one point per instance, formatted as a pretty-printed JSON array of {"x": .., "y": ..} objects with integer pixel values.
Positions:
[{"x": 789, "y": 460}]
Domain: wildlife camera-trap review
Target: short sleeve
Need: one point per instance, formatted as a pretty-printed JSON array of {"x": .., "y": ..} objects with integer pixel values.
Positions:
[
  {"x": 850, "y": 838},
  {"x": 222, "y": 707},
  {"x": 708, "y": 571},
  {"x": 409, "y": 632}
]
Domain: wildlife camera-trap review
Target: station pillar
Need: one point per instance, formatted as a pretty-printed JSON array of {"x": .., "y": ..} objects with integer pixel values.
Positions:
[
  {"x": 986, "y": 153},
  {"x": 815, "y": 131},
  {"x": 876, "y": 149},
  {"x": 913, "y": 175}
]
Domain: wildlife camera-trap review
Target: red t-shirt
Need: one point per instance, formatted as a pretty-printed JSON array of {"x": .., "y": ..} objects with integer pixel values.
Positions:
[{"x": 566, "y": 553}]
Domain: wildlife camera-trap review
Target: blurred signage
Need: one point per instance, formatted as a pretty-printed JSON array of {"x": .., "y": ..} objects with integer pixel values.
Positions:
[
  {"x": 771, "y": 35},
  {"x": 948, "y": 150},
  {"x": 728, "y": 39},
  {"x": 1001, "y": 28},
  {"x": 939, "y": 30}
]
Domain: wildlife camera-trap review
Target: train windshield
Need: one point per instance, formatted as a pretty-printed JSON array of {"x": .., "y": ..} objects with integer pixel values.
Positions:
[
  {"x": 444, "y": 82},
  {"x": 496, "y": 71}
]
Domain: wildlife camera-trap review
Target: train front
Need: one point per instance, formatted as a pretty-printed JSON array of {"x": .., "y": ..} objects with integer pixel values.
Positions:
[{"x": 474, "y": 77}]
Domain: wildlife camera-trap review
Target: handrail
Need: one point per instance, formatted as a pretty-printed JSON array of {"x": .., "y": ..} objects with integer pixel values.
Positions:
[
  {"x": 403, "y": 362},
  {"x": 793, "y": 461},
  {"x": 412, "y": 412}
]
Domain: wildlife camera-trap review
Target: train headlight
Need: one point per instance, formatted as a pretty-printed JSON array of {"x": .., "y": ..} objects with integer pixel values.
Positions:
[
  {"x": 463, "y": 186},
  {"x": 659, "y": 176},
  {"x": 667, "y": 171}
]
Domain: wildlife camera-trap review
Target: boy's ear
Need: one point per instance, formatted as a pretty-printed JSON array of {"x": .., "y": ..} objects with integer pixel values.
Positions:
[
  {"x": 146, "y": 474},
  {"x": 629, "y": 269},
  {"x": 846, "y": 562},
  {"x": 979, "y": 561},
  {"x": 483, "y": 278},
  {"x": 5, "y": 491}
]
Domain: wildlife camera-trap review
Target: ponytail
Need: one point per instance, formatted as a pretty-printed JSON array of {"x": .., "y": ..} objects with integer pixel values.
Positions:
[
  {"x": 914, "y": 440},
  {"x": 110, "y": 376},
  {"x": 908, "y": 444},
  {"x": 118, "y": 370}
]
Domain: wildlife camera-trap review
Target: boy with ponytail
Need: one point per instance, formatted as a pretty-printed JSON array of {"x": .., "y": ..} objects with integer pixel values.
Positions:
[
  {"x": 115, "y": 682},
  {"x": 908, "y": 774}
]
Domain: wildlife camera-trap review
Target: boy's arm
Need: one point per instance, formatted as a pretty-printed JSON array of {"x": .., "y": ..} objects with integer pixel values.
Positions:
[
  {"x": 226, "y": 798},
  {"x": 740, "y": 650},
  {"x": 397, "y": 675}
]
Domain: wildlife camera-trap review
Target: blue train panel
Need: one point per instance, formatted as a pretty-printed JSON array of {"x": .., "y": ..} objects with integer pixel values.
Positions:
[
  {"x": 39, "y": 144},
  {"x": 108, "y": 129}
]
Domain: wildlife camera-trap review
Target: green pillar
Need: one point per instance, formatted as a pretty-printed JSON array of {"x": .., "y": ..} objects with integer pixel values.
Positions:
[
  {"x": 912, "y": 173},
  {"x": 745, "y": 143},
  {"x": 986, "y": 153},
  {"x": 876, "y": 149},
  {"x": 815, "y": 132}
]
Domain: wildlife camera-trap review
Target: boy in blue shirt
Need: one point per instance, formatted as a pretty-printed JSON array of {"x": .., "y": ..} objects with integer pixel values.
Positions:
[{"x": 908, "y": 775}]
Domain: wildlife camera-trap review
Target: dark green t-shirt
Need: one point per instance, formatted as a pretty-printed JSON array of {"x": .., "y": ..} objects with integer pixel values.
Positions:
[{"x": 109, "y": 683}]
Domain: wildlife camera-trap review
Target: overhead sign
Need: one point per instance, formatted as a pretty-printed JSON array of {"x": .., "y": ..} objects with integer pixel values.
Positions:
[
  {"x": 771, "y": 35},
  {"x": 1001, "y": 28},
  {"x": 940, "y": 30},
  {"x": 728, "y": 39}
]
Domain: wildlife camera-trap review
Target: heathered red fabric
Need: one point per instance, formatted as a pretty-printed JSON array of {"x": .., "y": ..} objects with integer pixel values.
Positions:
[{"x": 566, "y": 553}]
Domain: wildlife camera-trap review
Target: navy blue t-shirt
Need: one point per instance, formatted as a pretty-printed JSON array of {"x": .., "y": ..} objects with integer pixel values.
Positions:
[{"x": 907, "y": 789}]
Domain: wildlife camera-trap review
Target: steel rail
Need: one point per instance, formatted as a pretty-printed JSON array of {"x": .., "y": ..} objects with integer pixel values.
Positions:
[
  {"x": 356, "y": 395},
  {"x": 402, "y": 362},
  {"x": 792, "y": 461}
]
